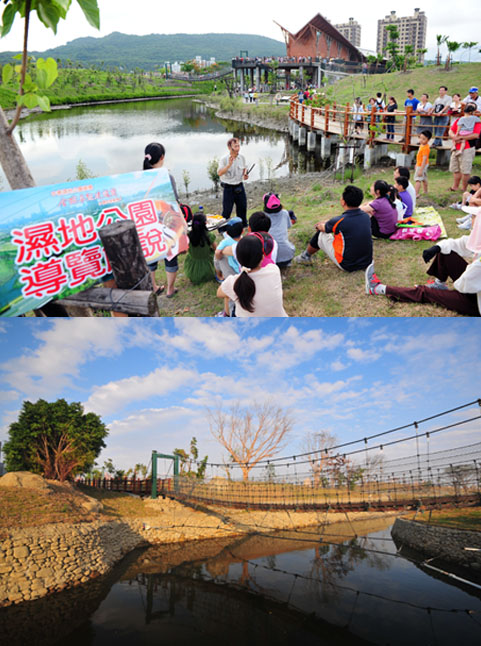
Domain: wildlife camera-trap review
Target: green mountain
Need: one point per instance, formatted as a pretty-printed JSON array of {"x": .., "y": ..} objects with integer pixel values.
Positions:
[{"x": 147, "y": 52}]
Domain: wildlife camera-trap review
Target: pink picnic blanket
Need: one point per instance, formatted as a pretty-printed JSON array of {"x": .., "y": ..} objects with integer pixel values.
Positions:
[{"x": 417, "y": 233}]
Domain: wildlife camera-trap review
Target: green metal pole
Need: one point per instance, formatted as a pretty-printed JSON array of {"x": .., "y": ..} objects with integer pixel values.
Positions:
[
  {"x": 176, "y": 473},
  {"x": 154, "y": 474}
]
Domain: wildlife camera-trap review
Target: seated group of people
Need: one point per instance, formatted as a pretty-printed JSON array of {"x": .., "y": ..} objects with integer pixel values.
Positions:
[{"x": 248, "y": 267}]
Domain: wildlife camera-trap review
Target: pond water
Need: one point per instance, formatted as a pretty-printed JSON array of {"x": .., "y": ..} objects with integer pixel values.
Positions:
[
  {"x": 304, "y": 587},
  {"x": 110, "y": 139}
]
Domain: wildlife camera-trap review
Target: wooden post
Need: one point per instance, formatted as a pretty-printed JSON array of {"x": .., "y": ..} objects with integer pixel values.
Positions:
[
  {"x": 141, "y": 302},
  {"x": 122, "y": 246},
  {"x": 326, "y": 125},
  {"x": 303, "y": 112},
  {"x": 346, "y": 120},
  {"x": 313, "y": 110},
  {"x": 408, "y": 128},
  {"x": 371, "y": 125}
]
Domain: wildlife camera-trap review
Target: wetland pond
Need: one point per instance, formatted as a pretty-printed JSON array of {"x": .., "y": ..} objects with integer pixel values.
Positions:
[
  {"x": 111, "y": 138},
  {"x": 342, "y": 584}
]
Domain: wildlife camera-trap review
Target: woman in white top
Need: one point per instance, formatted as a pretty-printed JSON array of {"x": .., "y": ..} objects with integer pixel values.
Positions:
[
  {"x": 257, "y": 290},
  {"x": 424, "y": 108}
]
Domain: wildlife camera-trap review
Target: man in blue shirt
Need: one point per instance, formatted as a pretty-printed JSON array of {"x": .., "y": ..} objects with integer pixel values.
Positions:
[{"x": 413, "y": 102}]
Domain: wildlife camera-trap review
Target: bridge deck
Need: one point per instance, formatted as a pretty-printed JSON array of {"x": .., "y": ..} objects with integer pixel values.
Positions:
[{"x": 341, "y": 121}]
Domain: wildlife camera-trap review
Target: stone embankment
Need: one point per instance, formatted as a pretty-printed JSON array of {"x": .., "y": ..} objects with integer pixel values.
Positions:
[
  {"x": 37, "y": 561},
  {"x": 259, "y": 120},
  {"x": 445, "y": 543}
]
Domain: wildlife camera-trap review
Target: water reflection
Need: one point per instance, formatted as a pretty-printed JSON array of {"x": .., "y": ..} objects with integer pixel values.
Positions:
[
  {"x": 110, "y": 139},
  {"x": 341, "y": 584}
]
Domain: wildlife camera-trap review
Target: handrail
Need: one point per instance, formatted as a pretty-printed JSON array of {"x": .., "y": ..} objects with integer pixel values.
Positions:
[{"x": 343, "y": 118}]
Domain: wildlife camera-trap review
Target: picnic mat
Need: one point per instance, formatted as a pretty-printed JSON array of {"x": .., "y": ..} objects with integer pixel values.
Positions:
[{"x": 428, "y": 226}]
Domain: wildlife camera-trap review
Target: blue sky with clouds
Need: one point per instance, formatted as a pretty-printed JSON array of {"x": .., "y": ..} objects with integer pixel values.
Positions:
[{"x": 151, "y": 380}]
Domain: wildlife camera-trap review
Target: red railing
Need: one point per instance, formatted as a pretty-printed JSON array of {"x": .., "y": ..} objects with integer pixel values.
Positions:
[{"x": 374, "y": 125}]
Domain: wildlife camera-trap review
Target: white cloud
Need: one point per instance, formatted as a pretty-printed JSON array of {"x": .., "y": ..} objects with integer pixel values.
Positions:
[
  {"x": 294, "y": 347},
  {"x": 337, "y": 366},
  {"x": 152, "y": 420},
  {"x": 9, "y": 395},
  {"x": 115, "y": 395},
  {"x": 357, "y": 354},
  {"x": 64, "y": 347}
]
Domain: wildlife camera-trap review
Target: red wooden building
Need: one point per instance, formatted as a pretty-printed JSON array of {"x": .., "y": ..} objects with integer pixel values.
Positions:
[{"x": 319, "y": 39}]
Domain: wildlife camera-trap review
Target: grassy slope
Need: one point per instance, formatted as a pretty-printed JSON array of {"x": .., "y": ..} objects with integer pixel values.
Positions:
[
  {"x": 422, "y": 79},
  {"x": 464, "y": 518},
  {"x": 77, "y": 86}
]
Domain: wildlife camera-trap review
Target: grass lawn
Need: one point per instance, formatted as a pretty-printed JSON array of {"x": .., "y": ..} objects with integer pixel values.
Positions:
[
  {"x": 116, "y": 503},
  {"x": 21, "y": 508},
  {"x": 422, "y": 79},
  {"x": 464, "y": 518},
  {"x": 28, "y": 508},
  {"x": 324, "y": 290}
]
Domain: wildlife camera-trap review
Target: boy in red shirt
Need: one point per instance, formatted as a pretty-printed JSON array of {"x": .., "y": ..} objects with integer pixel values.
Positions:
[{"x": 422, "y": 162}]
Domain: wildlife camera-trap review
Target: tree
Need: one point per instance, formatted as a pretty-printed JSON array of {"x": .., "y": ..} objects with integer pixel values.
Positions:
[
  {"x": 392, "y": 45},
  {"x": 452, "y": 46},
  {"x": 408, "y": 50},
  {"x": 440, "y": 39},
  {"x": 49, "y": 13},
  {"x": 212, "y": 167},
  {"x": 318, "y": 445},
  {"x": 54, "y": 439},
  {"x": 469, "y": 46},
  {"x": 250, "y": 434},
  {"x": 187, "y": 460}
]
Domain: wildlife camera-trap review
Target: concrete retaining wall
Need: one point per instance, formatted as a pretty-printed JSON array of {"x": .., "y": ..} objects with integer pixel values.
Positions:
[{"x": 442, "y": 542}]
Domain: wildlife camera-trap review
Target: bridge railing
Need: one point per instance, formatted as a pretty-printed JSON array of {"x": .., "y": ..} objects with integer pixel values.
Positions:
[
  {"x": 371, "y": 125},
  {"x": 326, "y": 491}
]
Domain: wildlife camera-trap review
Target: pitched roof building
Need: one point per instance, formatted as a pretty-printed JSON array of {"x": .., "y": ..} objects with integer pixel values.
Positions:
[{"x": 319, "y": 39}]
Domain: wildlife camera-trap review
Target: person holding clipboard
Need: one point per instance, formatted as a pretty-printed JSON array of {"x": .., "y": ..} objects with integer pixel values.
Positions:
[{"x": 233, "y": 171}]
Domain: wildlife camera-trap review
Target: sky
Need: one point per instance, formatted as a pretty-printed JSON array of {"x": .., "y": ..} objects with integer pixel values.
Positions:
[
  {"x": 250, "y": 17},
  {"x": 151, "y": 380}
]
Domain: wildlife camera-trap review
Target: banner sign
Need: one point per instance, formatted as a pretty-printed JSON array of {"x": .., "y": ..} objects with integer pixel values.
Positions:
[{"x": 49, "y": 241}]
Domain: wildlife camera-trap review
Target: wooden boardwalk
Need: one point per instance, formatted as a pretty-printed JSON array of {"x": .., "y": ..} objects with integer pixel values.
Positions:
[{"x": 339, "y": 120}]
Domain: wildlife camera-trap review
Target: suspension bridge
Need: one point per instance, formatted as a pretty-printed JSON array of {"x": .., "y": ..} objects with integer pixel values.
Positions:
[{"x": 420, "y": 464}]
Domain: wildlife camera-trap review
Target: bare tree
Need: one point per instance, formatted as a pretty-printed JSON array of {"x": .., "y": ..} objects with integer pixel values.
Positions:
[
  {"x": 250, "y": 434},
  {"x": 318, "y": 445}
]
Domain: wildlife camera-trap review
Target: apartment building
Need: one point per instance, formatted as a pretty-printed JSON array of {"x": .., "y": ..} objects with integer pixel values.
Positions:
[
  {"x": 412, "y": 31},
  {"x": 351, "y": 30}
]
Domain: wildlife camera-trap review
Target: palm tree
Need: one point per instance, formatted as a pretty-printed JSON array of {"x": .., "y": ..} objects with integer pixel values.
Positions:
[
  {"x": 409, "y": 49},
  {"x": 469, "y": 46},
  {"x": 452, "y": 46},
  {"x": 440, "y": 39}
]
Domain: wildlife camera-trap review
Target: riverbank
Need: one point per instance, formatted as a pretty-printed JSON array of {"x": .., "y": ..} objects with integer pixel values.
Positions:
[
  {"x": 458, "y": 546},
  {"x": 264, "y": 115},
  {"x": 37, "y": 560},
  {"x": 87, "y": 86}
]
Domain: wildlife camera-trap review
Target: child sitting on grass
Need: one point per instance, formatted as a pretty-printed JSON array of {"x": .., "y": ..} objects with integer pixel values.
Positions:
[
  {"x": 257, "y": 291},
  {"x": 226, "y": 263},
  {"x": 401, "y": 185},
  {"x": 280, "y": 224},
  {"x": 199, "y": 262}
]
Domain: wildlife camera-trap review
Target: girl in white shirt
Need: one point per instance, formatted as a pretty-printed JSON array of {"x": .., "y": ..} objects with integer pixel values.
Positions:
[{"x": 257, "y": 290}]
